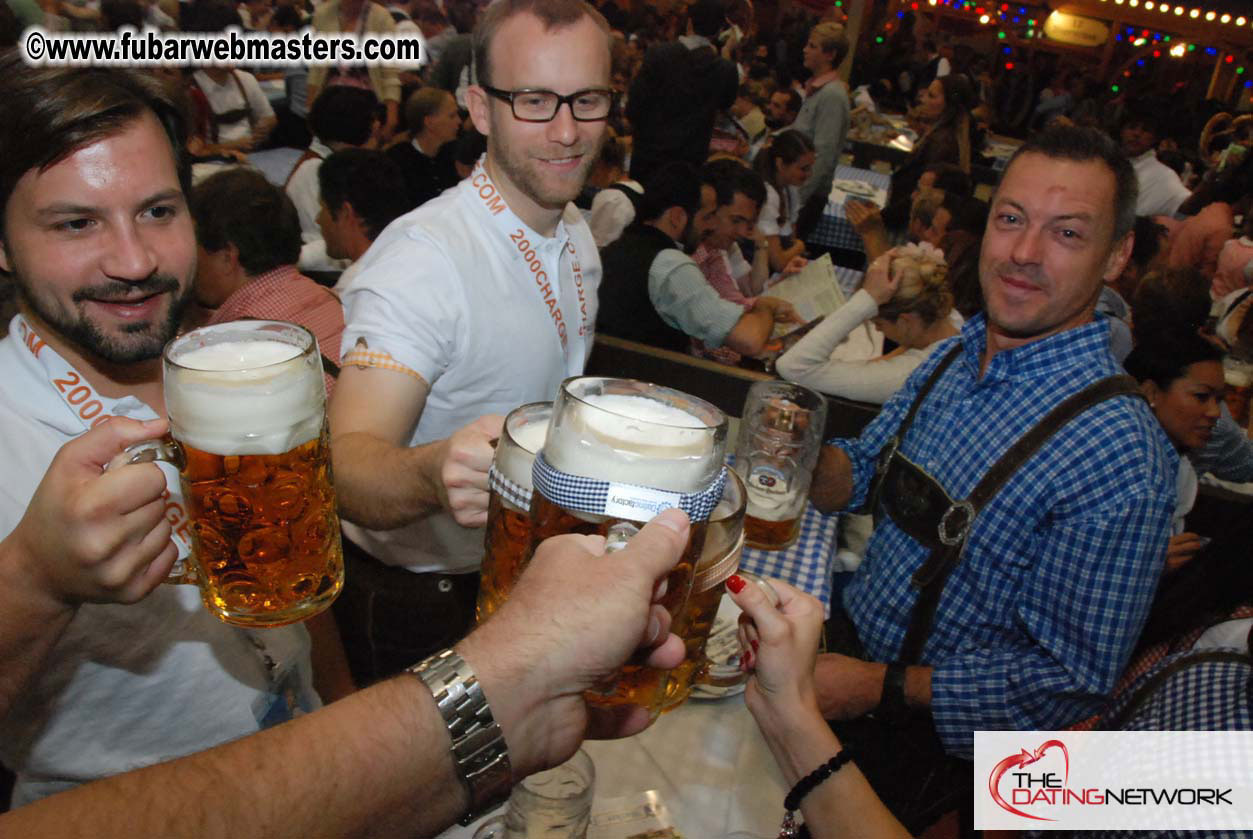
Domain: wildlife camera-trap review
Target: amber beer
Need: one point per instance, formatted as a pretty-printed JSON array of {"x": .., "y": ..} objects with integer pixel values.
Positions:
[
  {"x": 508, "y": 540},
  {"x": 724, "y": 543},
  {"x": 636, "y": 684},
  {"x": 780, "y": 436},
  {"x": 633, "y": 435},
  {"x": 246, "y": 404}
]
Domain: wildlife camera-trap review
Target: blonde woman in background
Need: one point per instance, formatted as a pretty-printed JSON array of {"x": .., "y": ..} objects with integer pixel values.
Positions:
[{"x": 905, "y": 295}]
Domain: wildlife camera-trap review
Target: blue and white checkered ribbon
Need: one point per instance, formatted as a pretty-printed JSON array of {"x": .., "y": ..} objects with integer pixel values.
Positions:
[
  {"x": 627, "y": 501},
  {"x": 516, "y": 494}
]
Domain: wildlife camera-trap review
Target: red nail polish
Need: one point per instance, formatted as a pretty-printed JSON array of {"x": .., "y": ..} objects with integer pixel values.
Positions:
[
  {"x": 736, "y": 583},
  {"x": 755, "y": 645}
]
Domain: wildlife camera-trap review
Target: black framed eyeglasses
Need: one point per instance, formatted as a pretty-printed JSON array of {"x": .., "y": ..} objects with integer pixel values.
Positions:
[{"x": 590, "y": 105}]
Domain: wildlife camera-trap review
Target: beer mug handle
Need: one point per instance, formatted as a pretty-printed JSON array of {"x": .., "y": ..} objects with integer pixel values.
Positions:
[
  {"x": 168, "y": 450},
  {"x": 618, "y": 535}
]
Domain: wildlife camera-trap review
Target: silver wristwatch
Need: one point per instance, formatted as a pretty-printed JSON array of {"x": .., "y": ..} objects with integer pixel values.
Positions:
[{"x": 478, "y": 746}]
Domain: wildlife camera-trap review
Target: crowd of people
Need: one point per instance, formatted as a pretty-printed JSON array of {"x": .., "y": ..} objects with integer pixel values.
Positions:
[{"x": 1045, "y": 364}]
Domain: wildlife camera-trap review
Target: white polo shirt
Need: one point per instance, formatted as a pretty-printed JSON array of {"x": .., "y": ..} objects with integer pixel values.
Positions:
[
  {"x": 125, "y": 686},
  {"x": 225, "y": 97},
  {"x": 1161, "y": 191},
  {"x": 489, "y": 313},
  {"x": 302, "y": 188}
]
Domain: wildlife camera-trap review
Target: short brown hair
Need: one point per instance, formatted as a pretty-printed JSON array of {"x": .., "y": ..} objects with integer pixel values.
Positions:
[
  {"x": 554, "y": 14},
  {"x": 239, "y": 207},
  {"x": 421, "y": 104},
  {"x": 48, "y": 113}
]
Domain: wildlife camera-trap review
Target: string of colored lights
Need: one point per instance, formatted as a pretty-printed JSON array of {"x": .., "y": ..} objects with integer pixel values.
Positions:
[{"x": 1006, "y": 15}]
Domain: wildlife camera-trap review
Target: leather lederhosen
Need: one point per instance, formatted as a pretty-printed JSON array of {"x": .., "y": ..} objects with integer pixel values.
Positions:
[
  {"x": 904, "y": 759},
  {"x": 919, "y": 505}
]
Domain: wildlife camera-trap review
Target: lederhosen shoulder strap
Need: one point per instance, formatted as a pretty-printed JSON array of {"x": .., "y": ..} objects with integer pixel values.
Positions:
[
  {"x": 247, "y": 109},
  {"x": 309, "y": 154},
  {"x": 1155, "y": 682},
  {"x": 954, "y": 523},
  {"x": 872, "y": 502}
]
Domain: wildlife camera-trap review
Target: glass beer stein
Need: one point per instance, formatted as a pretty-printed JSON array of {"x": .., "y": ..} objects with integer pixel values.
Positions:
[
  {"x": 246, "y": 402},
  {"x": 618, "y": 452},
  {"x": 724, "y": 542},
  {"x": 508, "y": 540},
  {"x": 780, "y": 437}
]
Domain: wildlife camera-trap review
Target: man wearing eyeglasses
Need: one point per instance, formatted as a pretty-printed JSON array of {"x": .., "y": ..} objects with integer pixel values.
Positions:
[{"x": 479, "y": 301}]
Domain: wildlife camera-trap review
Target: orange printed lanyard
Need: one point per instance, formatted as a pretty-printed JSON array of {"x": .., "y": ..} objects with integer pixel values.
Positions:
[
  {"x": 482, "y": 186},
  {"x": 91, "y": 409}
]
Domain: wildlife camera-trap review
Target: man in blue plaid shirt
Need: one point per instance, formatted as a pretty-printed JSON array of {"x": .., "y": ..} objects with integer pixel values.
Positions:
[{"x": 1042, "y": 608}]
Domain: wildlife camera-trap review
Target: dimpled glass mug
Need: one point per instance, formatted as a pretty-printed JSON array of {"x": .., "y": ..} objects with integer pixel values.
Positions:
[
  {"x": 246, "y": 402},
  {"x": 780, "y": 438},
  {"x": 507, "y": 542}
]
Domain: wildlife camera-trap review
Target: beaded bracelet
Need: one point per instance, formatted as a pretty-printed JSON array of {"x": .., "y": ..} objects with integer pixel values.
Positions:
[{"x": 805, "y": 786}]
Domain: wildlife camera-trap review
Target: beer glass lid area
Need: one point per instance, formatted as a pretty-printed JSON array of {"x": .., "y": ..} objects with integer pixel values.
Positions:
[{"x": 637, "y": 433}]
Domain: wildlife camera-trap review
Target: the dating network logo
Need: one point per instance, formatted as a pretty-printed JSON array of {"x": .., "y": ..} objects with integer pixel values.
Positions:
[
  {"x": 1029, "y": 788},
  {"x": 1116, "y": 780}
]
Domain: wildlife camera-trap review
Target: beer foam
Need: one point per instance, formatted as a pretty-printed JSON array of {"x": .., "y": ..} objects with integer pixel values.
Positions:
[
  {"x": 515, "y": 461},
  {"x": 237, "y": 355},
  {"x": 635, "y": 440},
  {"x": 245, "y": 397}
]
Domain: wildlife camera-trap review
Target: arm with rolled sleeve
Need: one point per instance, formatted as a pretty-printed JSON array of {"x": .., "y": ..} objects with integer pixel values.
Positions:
[
  {"x": 408, "y": 321},
  {"x": 1083, "y": 604},
  {"x": 685, "y": 300}
]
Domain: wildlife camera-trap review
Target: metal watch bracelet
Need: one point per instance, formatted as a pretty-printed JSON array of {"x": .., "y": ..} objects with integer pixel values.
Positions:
[{"x": 478, "y": 748}]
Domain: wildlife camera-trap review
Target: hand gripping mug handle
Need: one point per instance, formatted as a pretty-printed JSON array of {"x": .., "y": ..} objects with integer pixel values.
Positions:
[{"x": 167, "y": 450}]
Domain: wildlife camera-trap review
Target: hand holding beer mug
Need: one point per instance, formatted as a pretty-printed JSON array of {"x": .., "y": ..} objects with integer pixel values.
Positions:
[
  {"x": 618, "y": 452},
  {"x": 246, "y": 402},
  {"x": 780, "y": 436},
  {"x": 508, "y": 538}
]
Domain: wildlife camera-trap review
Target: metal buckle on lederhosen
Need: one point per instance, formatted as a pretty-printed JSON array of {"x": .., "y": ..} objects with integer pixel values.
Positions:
[{"x": 917, "y": 503}]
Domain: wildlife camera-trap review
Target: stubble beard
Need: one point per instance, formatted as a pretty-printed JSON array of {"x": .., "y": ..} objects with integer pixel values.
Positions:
[
  {"x": 147, "y": 338},
  {"x": 528, "y": 180}
]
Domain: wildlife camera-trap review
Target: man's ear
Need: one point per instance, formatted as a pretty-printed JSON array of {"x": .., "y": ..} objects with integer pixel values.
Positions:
[
  {"x": 479, "y": 106},
  {"x": 5, "y": 264},
  {"x": 347, "y": 213},
  {"x": 230, "y": 253},
  {"x": 1118, "y": 258},
  {"x": 676, "y": 218}
]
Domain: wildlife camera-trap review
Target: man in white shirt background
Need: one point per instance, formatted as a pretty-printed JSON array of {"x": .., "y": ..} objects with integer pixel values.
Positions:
[
  {"x": 480, "y": 300},
  {"x": 1161, "y": 190},
  {"x": 342, "y": 118},
  {"x": 360, "y": 193}
]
